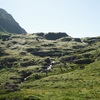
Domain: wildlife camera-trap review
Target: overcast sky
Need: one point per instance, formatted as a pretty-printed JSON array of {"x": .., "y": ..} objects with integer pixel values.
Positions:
[{"x": 78, "y": 18}]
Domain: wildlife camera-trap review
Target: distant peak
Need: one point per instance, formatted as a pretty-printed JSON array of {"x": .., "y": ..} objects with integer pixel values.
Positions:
[
  {"x": 2, "y": 10},
  {"x": 8, "y": 23}
]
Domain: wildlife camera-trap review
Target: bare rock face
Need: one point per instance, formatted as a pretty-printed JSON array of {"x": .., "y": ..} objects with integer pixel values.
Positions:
[{"x": 8, "y": 23}]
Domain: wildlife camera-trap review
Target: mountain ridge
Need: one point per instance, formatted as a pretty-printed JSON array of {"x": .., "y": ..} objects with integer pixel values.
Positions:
[{"x": 8, "y": 23}]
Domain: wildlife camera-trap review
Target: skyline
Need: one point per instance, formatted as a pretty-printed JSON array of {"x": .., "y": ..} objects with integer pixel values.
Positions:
[{"x": 78, "y": 18}]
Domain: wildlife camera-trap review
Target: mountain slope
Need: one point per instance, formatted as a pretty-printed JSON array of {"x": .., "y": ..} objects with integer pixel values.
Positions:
[
  {"x": 74, "y": 75},
  {"x": 8, "y": 23}
]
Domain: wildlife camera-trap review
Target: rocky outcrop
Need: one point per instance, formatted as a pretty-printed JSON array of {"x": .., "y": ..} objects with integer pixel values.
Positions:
[{"x": 55, "y": 36}]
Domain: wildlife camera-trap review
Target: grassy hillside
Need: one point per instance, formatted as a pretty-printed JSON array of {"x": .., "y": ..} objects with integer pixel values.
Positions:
[{"x": 25, "y": 73}]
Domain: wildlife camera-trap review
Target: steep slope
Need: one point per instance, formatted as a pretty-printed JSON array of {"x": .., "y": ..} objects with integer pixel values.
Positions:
[
  {"x": 8, "y": 23},
  {"x": 2, "y": 30}
]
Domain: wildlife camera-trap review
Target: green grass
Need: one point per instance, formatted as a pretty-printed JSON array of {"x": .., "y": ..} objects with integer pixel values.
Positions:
[
  {"x": 6, "y": 74},
  {"x": 78, "y": 85},
  {"x": 63, "y": 82}
]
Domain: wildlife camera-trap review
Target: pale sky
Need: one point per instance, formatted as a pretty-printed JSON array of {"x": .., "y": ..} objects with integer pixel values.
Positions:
[{"x": 78, "y": 18}]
